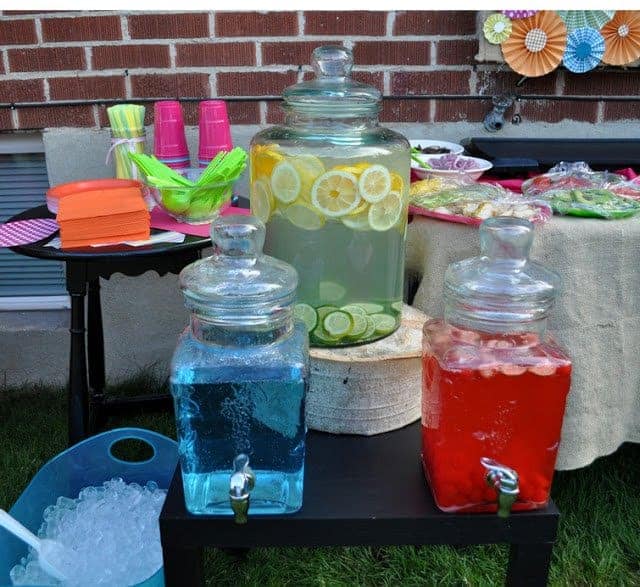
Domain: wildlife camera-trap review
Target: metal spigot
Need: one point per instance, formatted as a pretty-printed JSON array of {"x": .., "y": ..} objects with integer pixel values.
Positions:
[
  {"x": 505, "y": 481},
  {"x": 240, "y": 485},
  {"x": 494, "y": 120}
]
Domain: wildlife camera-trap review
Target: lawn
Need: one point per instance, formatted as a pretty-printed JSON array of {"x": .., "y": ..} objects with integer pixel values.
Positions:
[{"x": 599, "y": 541}]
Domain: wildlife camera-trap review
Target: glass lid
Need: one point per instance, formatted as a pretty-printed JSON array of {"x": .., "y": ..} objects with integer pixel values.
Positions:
[
  {"x": 333, "y": 92},
  {"x": 502, "y": 290},
  {"x": 239, "y": 282}
]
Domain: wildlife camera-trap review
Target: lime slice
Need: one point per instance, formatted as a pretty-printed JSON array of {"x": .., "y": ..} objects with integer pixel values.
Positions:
[
  {"x": 338, "y": 324},
  {"x": 331, "y": 292},
  {"x": 261, "y": 200},
  {"x": 360, "y": 325},
  {"x": 371, "y": 329},
  {"x": 323, "y": 311},
  {"x": 304, "y": 217},
  {"x": 385, "y": 214},
  {"x": 397, "y": 306},
  {"x": 384, "y": 323},
  {"x": 358, "y": 221},
  {"x": 335, "y": 193},
  {"x": 355, "y": 309},
  {"x": 370, "y": 308},
  {"x": 285, "y": 182},
  {"x": 307, "y": 314},
  {"x": 321, "y": 336},
  {"x": 374, "y": 183}
]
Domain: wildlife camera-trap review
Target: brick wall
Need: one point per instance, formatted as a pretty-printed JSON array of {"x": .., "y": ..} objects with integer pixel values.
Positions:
[{"x": 49, "y": 57}]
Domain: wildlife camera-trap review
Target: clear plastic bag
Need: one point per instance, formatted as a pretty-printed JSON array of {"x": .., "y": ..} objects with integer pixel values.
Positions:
[{"x": 471, "y": 203}]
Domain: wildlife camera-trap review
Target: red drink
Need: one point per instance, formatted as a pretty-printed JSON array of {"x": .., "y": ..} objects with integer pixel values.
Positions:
[{"x": 499, "y": 396}]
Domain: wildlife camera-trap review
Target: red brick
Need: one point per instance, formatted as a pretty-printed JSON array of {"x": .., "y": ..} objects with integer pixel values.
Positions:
[
  {"x": 430, "y": 22},
  {"x": 130, "y": 56},
  {"x": 254, "y": 24},
  {"x": 621, "y": 111},
  {"x": 557, "y": 111},
  {"x": 345, "y": 23},
  {"x": 87, "y": 88},
  {"x": 243, "y": 112},
  {"x": 275, "y": 114},
  {"x": 430, "y": 82},
  {"x": 182, "y": 85},
  {"x": 405, "y": 111},
  {"x": 6, "y": 120},
  {"x": 168, "y": 26},
  {"x": 288, "y": 53},
  {"x": 459, "y": 52},
  {"x": 215, "y": 54},
  {"x": 492, "y": 82},
  {"x": 258, "y": 83},
  {"x": 17, "y": 32},
  {"x": 28, "y": 90},
  {"x": 462, "y": 110},
  {"x": 55, "y": 116},
  {"x": 46, "y": 59},
  {"x": 391, "y": 53},
  {"x": 612, "y": 83},
  {"x": 82, "y": 28}
]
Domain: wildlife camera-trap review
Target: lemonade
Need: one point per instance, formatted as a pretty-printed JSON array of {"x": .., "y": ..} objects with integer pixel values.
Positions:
[{"x": 340, "y": 220}]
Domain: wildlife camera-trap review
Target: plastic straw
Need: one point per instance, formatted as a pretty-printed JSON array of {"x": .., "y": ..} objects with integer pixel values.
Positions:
[{"x": 127, "y": 131}]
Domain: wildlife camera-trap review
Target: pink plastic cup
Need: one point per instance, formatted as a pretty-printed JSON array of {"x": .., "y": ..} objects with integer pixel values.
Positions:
[
  {"x": 169, "y": 140},
  {"x": 214, "y": 130}
]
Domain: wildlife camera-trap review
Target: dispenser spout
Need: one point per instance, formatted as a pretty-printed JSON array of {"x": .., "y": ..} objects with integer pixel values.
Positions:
[
  {"x": 240, "y": 485},
  {"x": 505, "y": 481}
]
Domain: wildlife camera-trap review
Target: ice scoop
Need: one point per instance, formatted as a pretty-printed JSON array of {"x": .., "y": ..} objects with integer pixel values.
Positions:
[{"x": 54, "y": 558}]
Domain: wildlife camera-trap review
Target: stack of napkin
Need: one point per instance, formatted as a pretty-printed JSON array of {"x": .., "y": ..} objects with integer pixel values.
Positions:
[{"x": 103, "y": 217}]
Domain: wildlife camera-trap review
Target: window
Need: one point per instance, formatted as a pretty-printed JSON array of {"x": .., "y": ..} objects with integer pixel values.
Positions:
[{"x": 26, "y": 283}]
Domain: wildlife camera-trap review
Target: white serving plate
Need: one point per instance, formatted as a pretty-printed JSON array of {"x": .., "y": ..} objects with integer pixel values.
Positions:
[
  {"x": 471, "y": 174},
  {"x": 454, "y": 148}
]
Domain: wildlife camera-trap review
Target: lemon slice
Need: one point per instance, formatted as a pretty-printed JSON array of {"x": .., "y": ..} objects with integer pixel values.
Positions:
[
  {"x": 335, "y": 193},
  {"x": 261, "y": 200},
  {"x": 285, "y": 182},
  {"x": 357, "y": 221},
  {"x": 397, "y": 183},
  {"x": 338, "y": 324},
  {"x": 264, "y": 158},
  {"x": 385, "y": 214},
  {"x": 307, "y": 314},
  {"x": 374, "y": 183},
  {"x": 349, "y": 169},
  {"x": 308, "y": 165},
  {"x": 385, "y": 323},
  {"x": 304, "y": 216}
]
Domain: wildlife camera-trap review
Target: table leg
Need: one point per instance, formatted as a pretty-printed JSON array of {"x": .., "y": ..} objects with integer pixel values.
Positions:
[
  {"x": 182, "y": 566},
  {"x": 95, "y": 346},
  {"x": 78, "y": 388},
  {"x": 529, "y": 564}
]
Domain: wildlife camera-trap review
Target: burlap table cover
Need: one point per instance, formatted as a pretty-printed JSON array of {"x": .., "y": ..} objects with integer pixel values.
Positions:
[{"x": 596, "y": 317}]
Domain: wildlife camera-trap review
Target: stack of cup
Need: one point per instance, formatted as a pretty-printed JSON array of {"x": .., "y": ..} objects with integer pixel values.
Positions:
[
  {"x": 214, "y": 130},
  {"x": 170, "y": 142}
]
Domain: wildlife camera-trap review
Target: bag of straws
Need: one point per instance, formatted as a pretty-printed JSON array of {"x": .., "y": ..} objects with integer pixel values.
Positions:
[{"x": 127, "y": 136}]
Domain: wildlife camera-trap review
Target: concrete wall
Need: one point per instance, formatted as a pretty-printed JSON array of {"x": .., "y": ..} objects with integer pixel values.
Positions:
[{"x": 143, "y": 315}]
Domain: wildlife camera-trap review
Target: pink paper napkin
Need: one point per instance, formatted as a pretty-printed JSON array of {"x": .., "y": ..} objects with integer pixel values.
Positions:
[
  {"x": 160, "y": 219},
  {"x": 22, "y": 232}
]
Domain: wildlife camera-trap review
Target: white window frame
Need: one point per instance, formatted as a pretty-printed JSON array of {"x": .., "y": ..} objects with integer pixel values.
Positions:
[{"x": 13, "y": 145}]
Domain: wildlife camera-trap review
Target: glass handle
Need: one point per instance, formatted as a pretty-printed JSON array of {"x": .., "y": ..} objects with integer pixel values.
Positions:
[
  {"x": 332, "y": 61},
  {"x": 505, "y": 481}
]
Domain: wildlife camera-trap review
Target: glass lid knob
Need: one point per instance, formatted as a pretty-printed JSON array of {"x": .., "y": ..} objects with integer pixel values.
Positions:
[
  {"x": 332, "y": 61},
  {"x": 238, "y": 236},
  {"x": 506, "y": 238}
]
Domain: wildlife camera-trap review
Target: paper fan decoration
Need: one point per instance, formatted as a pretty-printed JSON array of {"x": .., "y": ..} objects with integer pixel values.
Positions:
[
  {"x": 585, "y": 48},
  {"x": 516, "y": 14},
  {"x": 536, "y": 44},
  {"x": 497, "y": 28},
  {"x": 622, "y": 38},
  {"x": 578, "y": 19}
]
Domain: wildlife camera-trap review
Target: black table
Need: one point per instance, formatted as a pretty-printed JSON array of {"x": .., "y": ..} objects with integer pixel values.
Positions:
[
  {"x": 367, "y": 491},
  {"x": 88, "y": 405}
]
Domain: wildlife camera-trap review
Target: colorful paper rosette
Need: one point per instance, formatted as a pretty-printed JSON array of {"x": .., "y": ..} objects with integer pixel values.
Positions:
[
  {"x": 497, "y": 28},
  {"x": 578, "y": 19},
  {"x": 622, "y": 38},
  {"x": 516, "y": 14},
  {"x": 585, "y": 48},
  {"x": 536, "y": 45}
]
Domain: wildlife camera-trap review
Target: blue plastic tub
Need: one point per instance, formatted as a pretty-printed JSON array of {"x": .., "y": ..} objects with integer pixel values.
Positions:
[{"x": 89, "y": 462}]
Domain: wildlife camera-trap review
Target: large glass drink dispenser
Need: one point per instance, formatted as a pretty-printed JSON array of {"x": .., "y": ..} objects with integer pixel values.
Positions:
[
  {"x": 332, "y": 187},
  {"x": 239, "y": 377},
  {"x": 494, "y": 381}
]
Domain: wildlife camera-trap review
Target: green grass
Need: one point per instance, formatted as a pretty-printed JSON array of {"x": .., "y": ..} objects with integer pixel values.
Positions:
[{"x": 599, "y": 539}]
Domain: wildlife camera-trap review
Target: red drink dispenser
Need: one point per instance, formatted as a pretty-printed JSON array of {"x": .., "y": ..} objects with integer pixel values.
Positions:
[{"x": 494, "y": 381}]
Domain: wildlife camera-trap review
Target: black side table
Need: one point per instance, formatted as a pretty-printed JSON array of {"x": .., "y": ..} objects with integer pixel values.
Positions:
[
  {"x": 359, "y": 491},
  {"x": 88, "y": 405}
]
